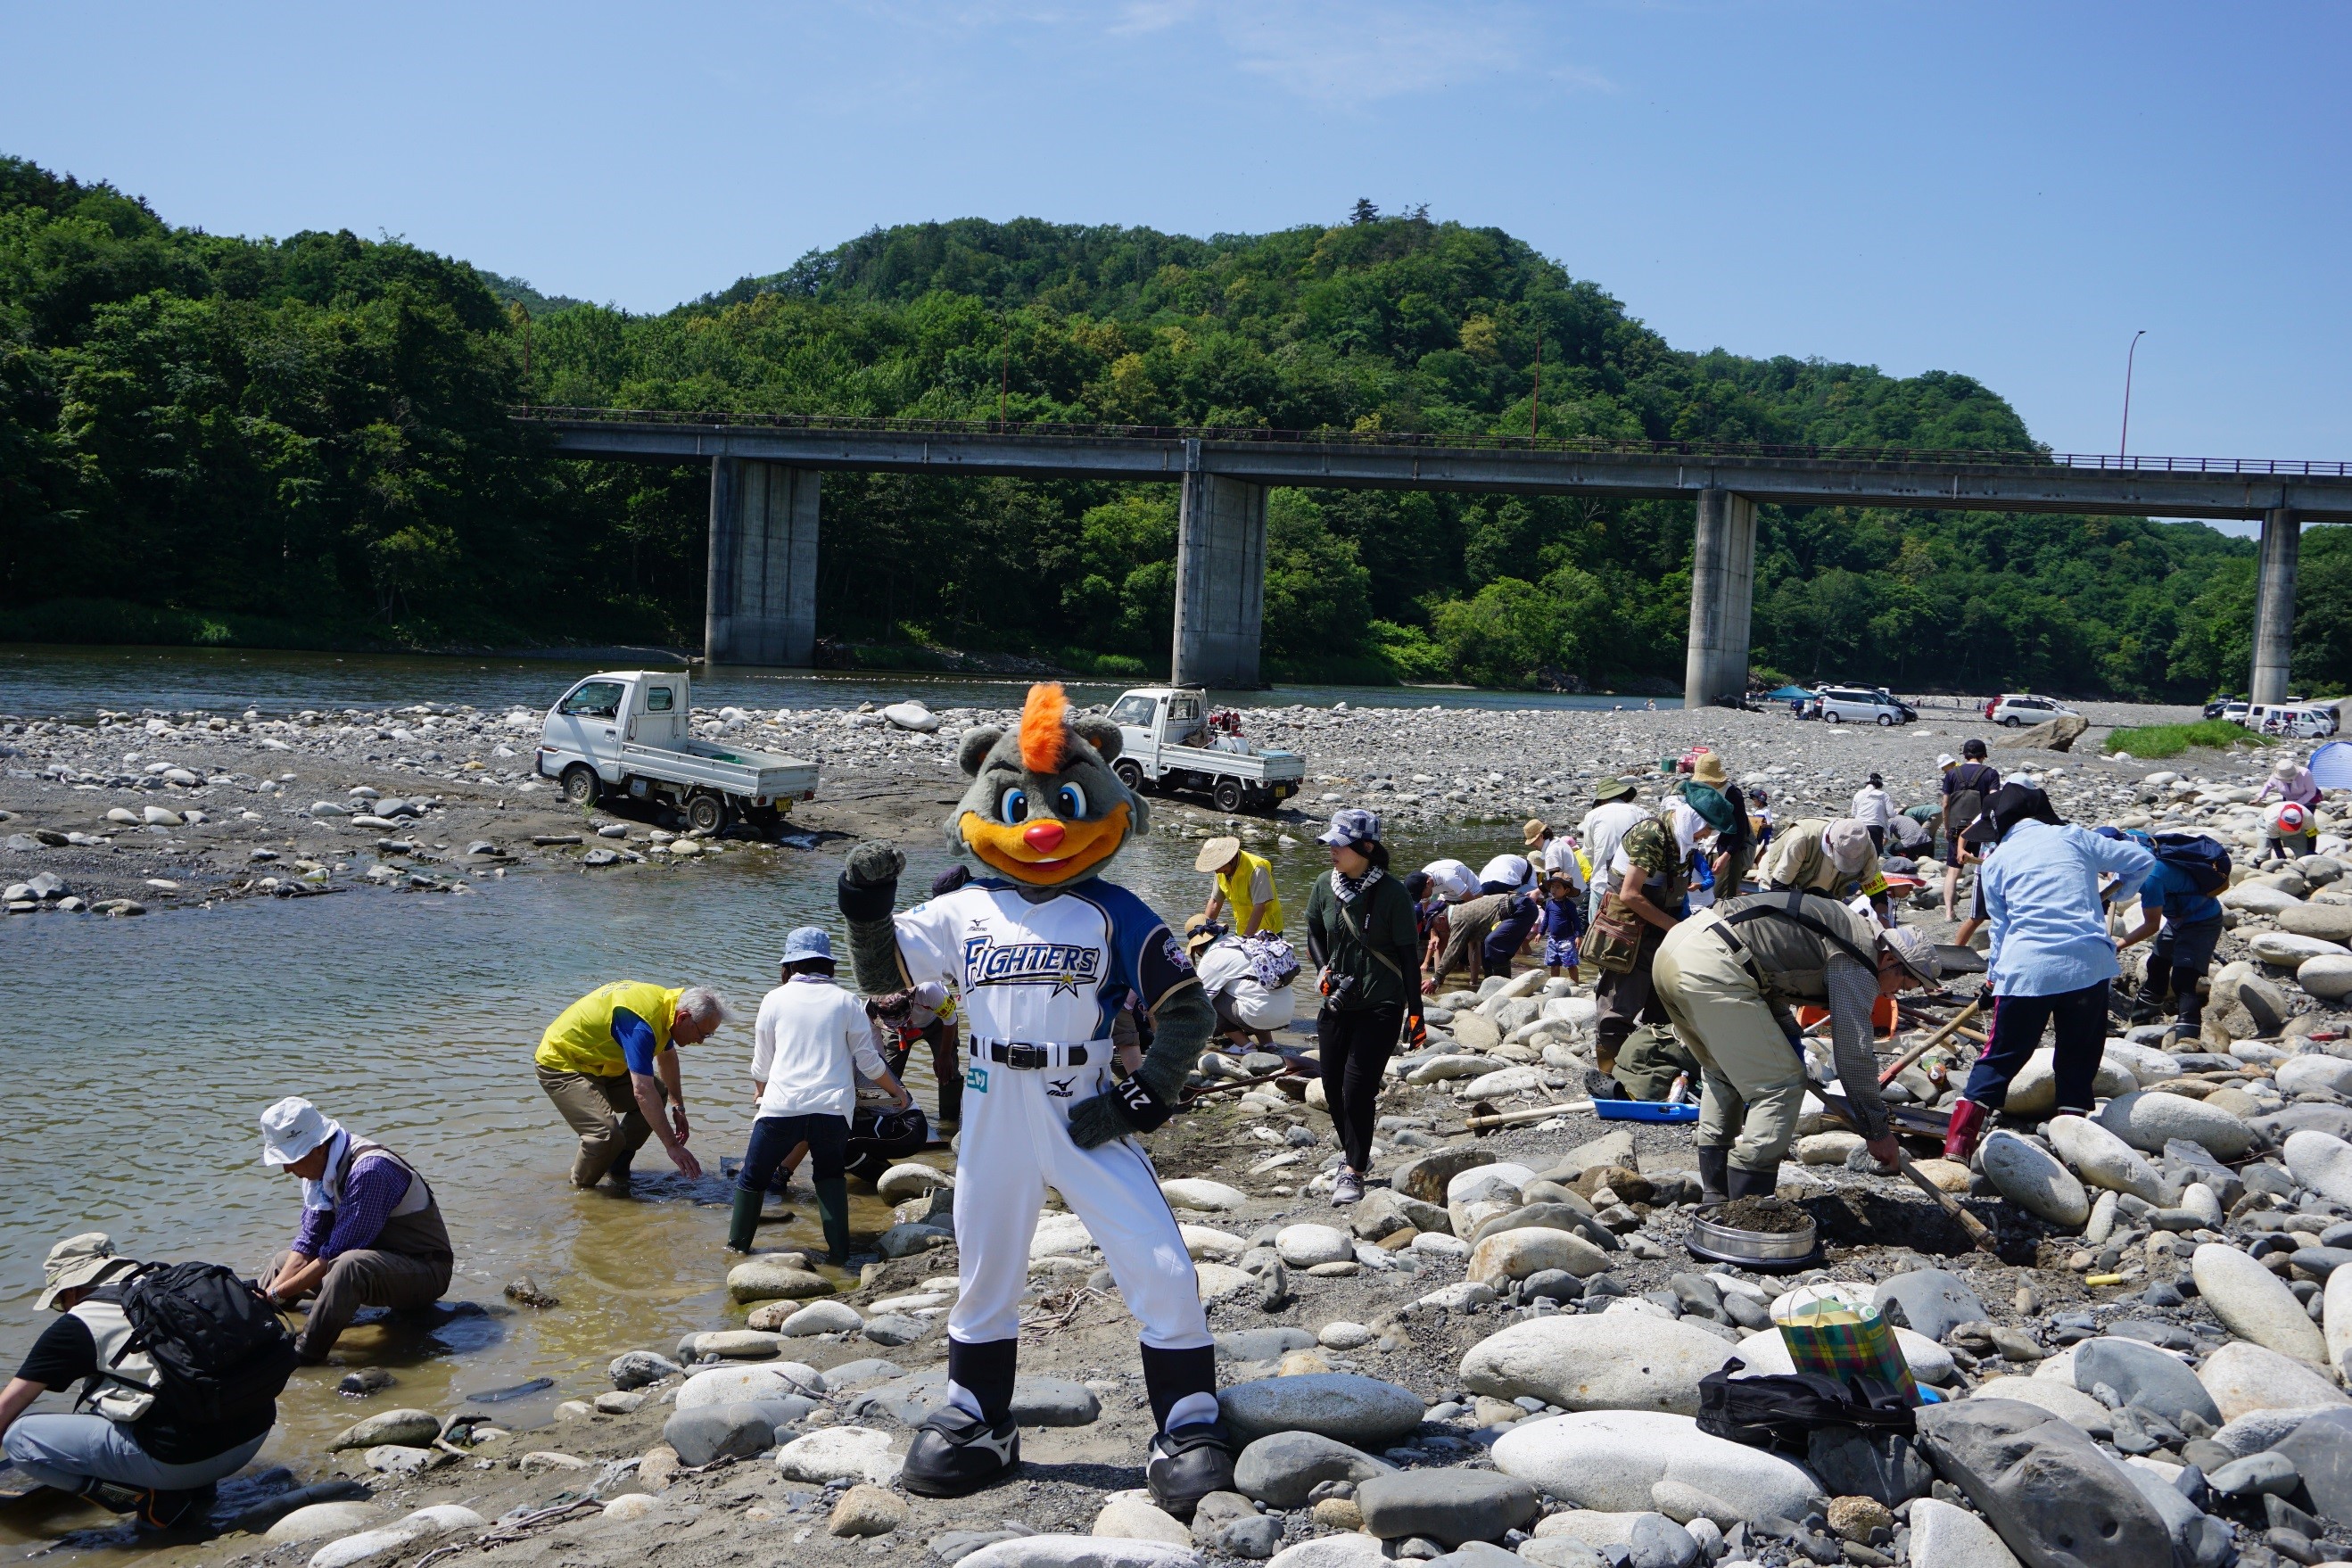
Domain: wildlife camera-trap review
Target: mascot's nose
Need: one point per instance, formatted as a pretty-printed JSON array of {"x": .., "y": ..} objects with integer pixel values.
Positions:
[{"x": 1045, "y": 836}]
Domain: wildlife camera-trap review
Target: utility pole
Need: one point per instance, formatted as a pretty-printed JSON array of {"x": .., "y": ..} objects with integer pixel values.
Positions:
[{"x": 2123, "y": 447}]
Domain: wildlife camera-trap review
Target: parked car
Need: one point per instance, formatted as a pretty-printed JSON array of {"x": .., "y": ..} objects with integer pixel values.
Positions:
[
  {"x": 2222, "y": 708},
  {"x": 1168, "y": 738},
  {"x": 2291, "y": 720},
  {"x": 2012, "y": 709},
  {"x": 624, "y": 731},
  {"x": 1861, "y": 705}
]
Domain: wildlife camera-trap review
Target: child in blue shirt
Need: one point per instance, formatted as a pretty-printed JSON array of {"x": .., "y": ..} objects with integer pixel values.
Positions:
[{"x": 1561, "y": 920}]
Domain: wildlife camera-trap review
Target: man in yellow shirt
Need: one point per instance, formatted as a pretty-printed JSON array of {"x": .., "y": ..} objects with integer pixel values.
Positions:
[
  {"x": 1245, "y": 882},
  {"x": 609, "y": 1064}
]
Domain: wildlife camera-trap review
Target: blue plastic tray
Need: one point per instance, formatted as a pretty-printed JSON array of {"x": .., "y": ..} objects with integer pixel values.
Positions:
[{"x": 1643, "y": 1110}]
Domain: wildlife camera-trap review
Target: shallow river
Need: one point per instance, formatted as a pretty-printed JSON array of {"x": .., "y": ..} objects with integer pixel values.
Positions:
[{"x": 144, "y": 1048}]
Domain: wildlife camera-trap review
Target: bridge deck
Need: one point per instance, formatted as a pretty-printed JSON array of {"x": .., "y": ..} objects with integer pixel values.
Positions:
[{"x": 1972, "y": 482}]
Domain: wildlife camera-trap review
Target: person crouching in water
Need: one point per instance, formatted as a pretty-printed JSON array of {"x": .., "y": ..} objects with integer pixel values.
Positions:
[
  {"x": 811, "y": 1037},
  {"x": 1562, "y": 922}
]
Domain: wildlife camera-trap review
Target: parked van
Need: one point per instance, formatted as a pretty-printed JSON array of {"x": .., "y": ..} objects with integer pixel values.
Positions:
[
  {"x": 2291, "y": 720},
  {"x": 2012, "y": 709},
  {"x": 1861, "y": 705}
]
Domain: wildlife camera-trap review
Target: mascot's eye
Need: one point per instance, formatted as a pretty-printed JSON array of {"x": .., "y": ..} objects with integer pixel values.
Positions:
[
  {"x": 1012, "y": 805},
  {"x": 1072, "y": 800}
]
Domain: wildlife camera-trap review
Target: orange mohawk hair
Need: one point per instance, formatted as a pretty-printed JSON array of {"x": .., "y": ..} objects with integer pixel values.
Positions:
[{"x": 1044, "y": 728}]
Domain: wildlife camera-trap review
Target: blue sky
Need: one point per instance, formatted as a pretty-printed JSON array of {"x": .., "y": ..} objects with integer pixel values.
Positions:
[{"x": 2004, "y": 190}]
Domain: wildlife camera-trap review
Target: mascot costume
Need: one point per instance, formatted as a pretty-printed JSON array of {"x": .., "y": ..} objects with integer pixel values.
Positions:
[{"x": 1046, "y": 953}]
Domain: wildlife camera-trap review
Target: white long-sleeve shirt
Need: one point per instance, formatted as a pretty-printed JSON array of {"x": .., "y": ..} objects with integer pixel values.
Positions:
[
  {"x": 1873, "y": 807},
  {"x": 810, "y": 1035}
]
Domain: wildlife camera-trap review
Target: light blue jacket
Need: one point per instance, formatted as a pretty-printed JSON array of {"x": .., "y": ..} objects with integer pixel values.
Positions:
[{"x": 2041, "y": 891}]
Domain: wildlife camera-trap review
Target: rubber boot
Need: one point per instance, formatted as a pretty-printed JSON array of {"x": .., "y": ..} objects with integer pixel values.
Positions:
[
  {"x": 832, "y": 1208},
  {"x": 744, "y": 1226},
  {"x": 1714, "y": 1182},
  {"x": 1745, "y": 1183},
  {"x": 951, "y": 1100},
  {"x": 1966, "y": 1126}
]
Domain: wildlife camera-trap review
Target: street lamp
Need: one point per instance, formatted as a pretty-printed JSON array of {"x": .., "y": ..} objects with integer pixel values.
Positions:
[{"x": 2124, "y": 446}]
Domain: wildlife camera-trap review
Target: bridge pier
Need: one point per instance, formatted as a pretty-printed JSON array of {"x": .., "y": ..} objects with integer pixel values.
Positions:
[
  {"x": 2274, "y": 605},
  {"x": 1220, "y": 580},
  {"x": 1723, "y": 590},
  {"x": 761, "y": 606}
]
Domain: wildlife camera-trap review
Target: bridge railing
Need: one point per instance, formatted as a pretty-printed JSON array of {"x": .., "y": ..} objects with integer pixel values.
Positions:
[{"x": 1451, "y": 440}]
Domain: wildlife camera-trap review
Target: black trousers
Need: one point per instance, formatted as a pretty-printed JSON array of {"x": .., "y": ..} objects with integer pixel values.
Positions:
[
  {"x": 2080, "y": 1021},
  {"x": 1354, "y": 1047},
  {"x": 773, "y": 1137},
  {"x": 2175, "y": 964}
]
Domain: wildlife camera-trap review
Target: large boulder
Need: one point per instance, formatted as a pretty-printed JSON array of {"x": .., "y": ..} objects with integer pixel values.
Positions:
[
  {"x": 2062, "y": 1399},
  {"x": 2146, "y": 1119},
  {"x": 408, "y": 1428},
  {"x": 2330, "y": 919},
  {"x": 2104, "y": 1160},
  {"x": 2055, "y": 1498},
  {"x": 2321, "y": 1161},
  {"x": 1086, "y": 1552},
  {"x": 2321, "y": 1451},
  {"x": 748, "y": 1385},
  {"x": 2034, "y": 1182},
  {"x": 1425, "y": 1178},
  {"x": 1450, "y": 1506},
  {"x": 2034, "y": 1090},
  {"x": 2326, "y": 976},
  {"x": 2145, "y": 1376},
  {"x": 2058, "y": 734},
  {"x": 2243, "y": 1378},
  {"x": 2315, "y": 1070},
  {"x": 774, "y": 1280},
  {"x": 1281, "y": 1470},
  {"x": 1935, "y": 1301},
  {"x": 1944, "y": 1536},
  {"x": 1506, "y": 1255},
  {"x": 2255, "y": 1304},
  {"x": 1363, "y": 1411},
  {"x": 1609, "y": 1361},
  {"x": 1613, "y": 1460}
]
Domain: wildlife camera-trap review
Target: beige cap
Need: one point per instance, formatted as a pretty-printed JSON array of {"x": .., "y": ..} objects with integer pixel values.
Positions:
[
  {"x": 1707, "y": 769},
  {"x": 1534, "y": 831},
  {"x": 77, "y": 1261},
  {"x": 1849, "y": 845},
  {"x": 1913, "y": 952},
  {"x": 1217, "y": 854}
]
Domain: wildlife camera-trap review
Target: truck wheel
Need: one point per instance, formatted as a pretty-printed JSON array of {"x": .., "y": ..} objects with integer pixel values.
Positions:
[
  {"x": 707, "y": 814},
  {"x": 1131, "y": 773},
  {"x": 581, "y": 784},
  {"x": 1228, "y": 795}
]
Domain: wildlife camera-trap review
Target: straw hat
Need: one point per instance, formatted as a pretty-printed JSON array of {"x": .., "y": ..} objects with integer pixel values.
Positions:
[
  {"x": 1534, "y": 831},
  {"x": 1707, "y": 769},
  {"x": 1217, "y": 854}
]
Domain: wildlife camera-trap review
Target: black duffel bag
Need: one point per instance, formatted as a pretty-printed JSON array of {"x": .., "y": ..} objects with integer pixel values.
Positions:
[{"x": 1782, "y": 1409}]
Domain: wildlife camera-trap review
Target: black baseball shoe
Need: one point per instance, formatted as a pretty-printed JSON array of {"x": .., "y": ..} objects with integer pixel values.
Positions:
[
  {"x": 1188, "y": 1464},
  {"x": 955, "y": 1452}
]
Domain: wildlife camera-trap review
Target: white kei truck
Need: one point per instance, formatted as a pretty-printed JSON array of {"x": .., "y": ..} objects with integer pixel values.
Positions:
[
  {"x": 625, "y": 733},
  {"x": 1168, "y": 742}
]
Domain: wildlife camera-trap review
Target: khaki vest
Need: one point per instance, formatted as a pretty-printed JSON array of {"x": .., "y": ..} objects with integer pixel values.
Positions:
[
  {"x": 1793, "y": 961},
  {"x": 413, "y": 1228},
  {"x": 121, "y": 1390}
]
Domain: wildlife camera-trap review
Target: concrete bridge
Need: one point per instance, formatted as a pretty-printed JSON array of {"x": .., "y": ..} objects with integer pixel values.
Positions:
[{"x": 766, "y": 474}]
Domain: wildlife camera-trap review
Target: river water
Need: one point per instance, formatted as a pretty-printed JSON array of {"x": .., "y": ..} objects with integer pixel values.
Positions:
[
  {"x": 144, "y": 1048},
  {"x": 44, "y": 681}
]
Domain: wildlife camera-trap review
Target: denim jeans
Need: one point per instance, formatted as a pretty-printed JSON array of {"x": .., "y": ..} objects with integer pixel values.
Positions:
[
  {"x": 64, "y": 1451},
  {"x": 2018, "y": 1024}
]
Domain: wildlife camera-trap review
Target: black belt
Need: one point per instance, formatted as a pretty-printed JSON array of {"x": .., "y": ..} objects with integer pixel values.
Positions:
[{"x": 1028, "y": 1058}]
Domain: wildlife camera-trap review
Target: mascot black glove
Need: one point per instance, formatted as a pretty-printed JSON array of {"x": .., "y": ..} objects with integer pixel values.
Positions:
[{"x": 1181, "y": 1026}]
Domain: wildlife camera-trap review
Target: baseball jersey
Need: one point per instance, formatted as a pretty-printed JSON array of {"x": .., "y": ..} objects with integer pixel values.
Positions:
[{"x": 1051, "y": 973}]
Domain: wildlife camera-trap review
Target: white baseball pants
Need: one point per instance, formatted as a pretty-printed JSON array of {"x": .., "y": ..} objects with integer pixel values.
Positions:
[{"x": 1016, "y": 1143}]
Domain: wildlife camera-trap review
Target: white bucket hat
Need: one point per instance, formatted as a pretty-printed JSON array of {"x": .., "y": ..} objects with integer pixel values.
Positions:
[{"x": 291, "y": 1129}]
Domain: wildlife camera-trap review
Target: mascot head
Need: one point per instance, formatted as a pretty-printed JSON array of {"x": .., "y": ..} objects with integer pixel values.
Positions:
[{"x": 1045, "y": 810}]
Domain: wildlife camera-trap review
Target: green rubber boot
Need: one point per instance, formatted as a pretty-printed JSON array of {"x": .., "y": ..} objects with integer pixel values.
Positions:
[
  {"x": 745, "y": 1223},
  {"x": 833, "y": 1208}
]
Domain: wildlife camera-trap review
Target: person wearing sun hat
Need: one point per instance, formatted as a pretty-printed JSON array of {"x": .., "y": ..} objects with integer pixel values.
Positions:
[
  {"x": 1735, "y": 845},
  {"x": 1614, "y": 812},
  {"x": 1727, "y": 977},
  {"x": 131, "y": 1444},
  {"x": 1359, "y": 931},
  {"x": 371, "y": 1232},
  {"x": 1245, "y": 884}
]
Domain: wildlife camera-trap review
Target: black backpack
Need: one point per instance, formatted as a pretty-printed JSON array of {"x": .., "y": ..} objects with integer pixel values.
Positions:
[
  {"x": 1783, "y": 1409},
  {"x": 214, "y": 1338},
  {"x": 2204, "y": 862}
]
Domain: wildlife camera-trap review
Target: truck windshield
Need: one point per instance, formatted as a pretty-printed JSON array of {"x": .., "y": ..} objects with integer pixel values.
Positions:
[
  {"x": 594, "y": 699},
  {"x": 1131, "y": 711}
]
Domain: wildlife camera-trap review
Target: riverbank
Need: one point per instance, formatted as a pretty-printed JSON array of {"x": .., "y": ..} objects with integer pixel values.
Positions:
[{"x": 159, "y": 810}]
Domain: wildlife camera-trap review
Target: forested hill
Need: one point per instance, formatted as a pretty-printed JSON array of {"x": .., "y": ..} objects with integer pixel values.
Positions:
[{"x": 301, "y": 440}]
